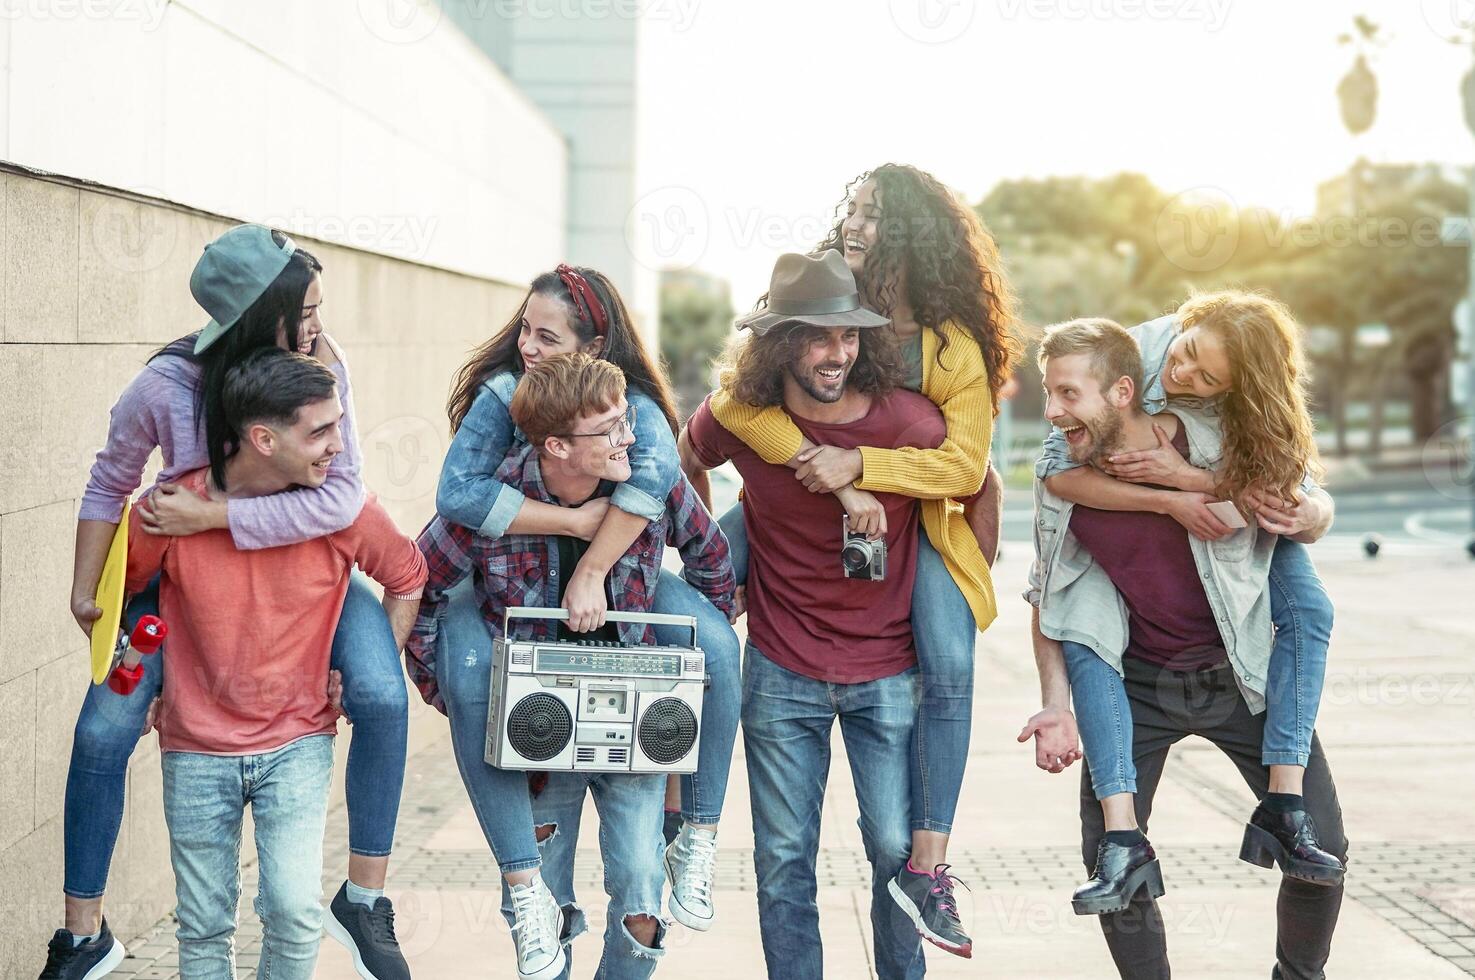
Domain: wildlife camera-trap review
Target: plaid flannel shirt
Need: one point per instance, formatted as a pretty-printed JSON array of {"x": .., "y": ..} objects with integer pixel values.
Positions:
[{"x": 522, "y": 569}]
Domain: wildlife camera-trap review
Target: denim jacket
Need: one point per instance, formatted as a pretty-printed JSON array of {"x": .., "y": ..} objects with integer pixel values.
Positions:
[
  {"x": 1078, "y": 602},
  {"x": 471, "y": 495}
]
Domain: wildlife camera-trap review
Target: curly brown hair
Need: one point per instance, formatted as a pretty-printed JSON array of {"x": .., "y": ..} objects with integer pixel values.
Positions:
[
  {"x": 1269, "y": 437},
  {"x": 753, "y": 368},
  {"x": 949, "y": 261}
]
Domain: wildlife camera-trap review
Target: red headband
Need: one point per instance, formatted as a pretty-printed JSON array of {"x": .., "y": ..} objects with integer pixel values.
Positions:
[{"x": 584, "y": 298}]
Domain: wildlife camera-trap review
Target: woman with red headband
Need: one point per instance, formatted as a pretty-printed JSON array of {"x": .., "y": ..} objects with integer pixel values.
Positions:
[{"x": 579, "y": 309}]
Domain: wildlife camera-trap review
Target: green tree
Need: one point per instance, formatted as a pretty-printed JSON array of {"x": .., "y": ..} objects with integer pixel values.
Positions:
[{"x": 696, "y": 320}]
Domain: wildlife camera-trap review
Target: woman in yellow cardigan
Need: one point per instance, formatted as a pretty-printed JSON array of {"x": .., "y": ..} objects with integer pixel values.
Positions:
[{"x": 923, "y": 259}]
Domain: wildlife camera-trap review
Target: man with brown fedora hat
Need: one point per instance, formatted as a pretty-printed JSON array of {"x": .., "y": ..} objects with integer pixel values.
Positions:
[{"x": 829, "y": 600}]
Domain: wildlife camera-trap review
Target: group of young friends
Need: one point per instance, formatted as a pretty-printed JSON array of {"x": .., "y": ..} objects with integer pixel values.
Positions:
[{"x": 858, "y": 399}]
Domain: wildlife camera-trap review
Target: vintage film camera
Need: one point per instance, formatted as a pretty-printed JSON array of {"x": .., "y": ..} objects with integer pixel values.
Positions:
[
  {"x": 592, "y": 705},
  {"x": 861, "y": 557}
]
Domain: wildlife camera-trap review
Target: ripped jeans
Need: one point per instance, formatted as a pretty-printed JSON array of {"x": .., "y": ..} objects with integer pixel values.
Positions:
[{"x": 630, "y": 843}]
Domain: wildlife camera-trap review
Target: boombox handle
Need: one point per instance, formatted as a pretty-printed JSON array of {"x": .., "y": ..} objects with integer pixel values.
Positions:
[{"x": 543, "y": 612}]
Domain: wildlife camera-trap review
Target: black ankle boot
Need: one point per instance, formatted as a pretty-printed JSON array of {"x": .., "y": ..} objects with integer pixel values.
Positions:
[
  {"x": 1289, "y": 840},
  {"x": 1120, "y": 871}
]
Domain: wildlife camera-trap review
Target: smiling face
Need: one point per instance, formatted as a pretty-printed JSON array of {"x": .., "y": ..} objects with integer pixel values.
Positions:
[
  {"x": 861, "y": 228},
  {"x": 1197, "y": 365},
  {"x": 302, "y": 453},
  {"x": 1090, "y": 418},
  {"x": 586, "y": 449},
  {"x": 311, "y": 325},
  {"x": 548, "y": 329},
  {"x": 823, "y": 359}
]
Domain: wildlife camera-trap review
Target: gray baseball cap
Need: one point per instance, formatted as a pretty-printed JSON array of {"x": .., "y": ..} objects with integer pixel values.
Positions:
[{"x": 234, "y": 272}]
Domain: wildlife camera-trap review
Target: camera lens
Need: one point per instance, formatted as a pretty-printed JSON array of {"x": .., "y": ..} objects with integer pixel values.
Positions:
[{"x": 855, "y": 556}]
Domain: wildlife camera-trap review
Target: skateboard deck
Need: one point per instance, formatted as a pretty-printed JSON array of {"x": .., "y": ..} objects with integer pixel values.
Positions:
[{"x": 110, "y": 601}]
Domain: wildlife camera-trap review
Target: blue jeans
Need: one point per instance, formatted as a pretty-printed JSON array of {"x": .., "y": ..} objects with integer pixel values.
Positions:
[
  {"x": 205, "y": 797},
  {"x": 1104, "y": 719},
  {"x": 1302, "y": 614},
  {"x": 703, "y": 791},
  {"x": 630, "y": 846},
  {"x": 944, "y": 631},
  {"x": 109, "y": 726},
  {"x": 463, "y": 667},
  {"x": 787, "y": 719}
]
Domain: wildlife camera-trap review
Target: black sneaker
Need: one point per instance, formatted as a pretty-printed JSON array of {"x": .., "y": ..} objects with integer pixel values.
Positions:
[
  {"x": 369, "y": 935},
  {"x": 927, "y": 899},
  {"x": 88, "y": 961}
]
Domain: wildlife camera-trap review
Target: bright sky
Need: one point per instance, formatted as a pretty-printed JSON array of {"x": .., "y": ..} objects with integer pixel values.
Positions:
[{"x": 755, "y": 113}]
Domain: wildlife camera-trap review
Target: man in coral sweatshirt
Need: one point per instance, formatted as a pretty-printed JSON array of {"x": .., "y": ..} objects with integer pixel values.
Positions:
[{"x": 245, "y": 715}]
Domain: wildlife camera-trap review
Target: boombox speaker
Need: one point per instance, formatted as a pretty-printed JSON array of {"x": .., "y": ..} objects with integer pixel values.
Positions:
[{"x": 592, "y": 705}]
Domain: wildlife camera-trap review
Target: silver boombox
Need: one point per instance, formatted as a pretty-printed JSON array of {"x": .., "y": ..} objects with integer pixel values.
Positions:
[{"x": 592, "y": 705}]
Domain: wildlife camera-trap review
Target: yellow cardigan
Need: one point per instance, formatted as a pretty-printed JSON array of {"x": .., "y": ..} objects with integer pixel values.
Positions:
[{"x": 956, "y": 380}]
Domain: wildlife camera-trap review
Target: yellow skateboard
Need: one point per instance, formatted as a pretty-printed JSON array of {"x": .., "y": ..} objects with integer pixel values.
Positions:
[{"x": 110, "y": 601}]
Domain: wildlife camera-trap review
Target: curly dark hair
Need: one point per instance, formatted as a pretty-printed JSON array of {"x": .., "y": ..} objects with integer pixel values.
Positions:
[
  {"x": 753, "y": 368},
  {"x": 948, "y": 260}
]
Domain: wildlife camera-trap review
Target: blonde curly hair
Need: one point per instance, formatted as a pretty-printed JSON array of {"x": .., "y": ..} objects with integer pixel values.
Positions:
[{"x": 1269, "y": 437}]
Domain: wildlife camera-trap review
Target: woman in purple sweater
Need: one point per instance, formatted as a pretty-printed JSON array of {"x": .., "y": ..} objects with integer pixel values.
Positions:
[{"x": 261, "y": 291}]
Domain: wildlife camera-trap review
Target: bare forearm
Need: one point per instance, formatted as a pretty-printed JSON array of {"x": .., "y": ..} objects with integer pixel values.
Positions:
[
  {"x": 401, "y": 613},
  {"x": 701, "y": 482},
  {"x": 1326, "y": 513},
  {"x": 1090, "y": 487},
  {"x": 804, "y": 446},
  {"x": 1050, "y": 662},
  {"x": 94, "y": 538},
  {"x": 985, "y": 515},
  {"x": 538, "y": 517},
  {"x": 613, "y": 539}
]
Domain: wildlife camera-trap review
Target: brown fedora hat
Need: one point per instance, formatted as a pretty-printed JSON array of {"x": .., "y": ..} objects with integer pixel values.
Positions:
[{"x": 815, "y": 289}]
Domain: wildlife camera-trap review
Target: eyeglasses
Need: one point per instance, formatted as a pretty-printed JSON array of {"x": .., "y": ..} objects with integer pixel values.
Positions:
[{"x": 616, "y": 433}]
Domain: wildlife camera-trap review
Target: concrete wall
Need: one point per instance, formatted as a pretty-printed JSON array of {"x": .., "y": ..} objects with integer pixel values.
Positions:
[
  {"x": 336, "y": 119},
  {"x": 577, "y": 62},
  {"x": 93, "y": 281}
]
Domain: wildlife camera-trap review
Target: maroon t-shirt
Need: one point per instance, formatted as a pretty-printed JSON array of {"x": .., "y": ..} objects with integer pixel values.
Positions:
[
  {"x": 803, "y": 613},
  {"x": 1150, "y": 561}
]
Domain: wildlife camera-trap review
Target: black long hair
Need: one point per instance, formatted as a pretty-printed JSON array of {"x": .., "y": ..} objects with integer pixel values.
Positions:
[
  {"x": 280, "y": 306},
  {"x": 622, "y": 347}
]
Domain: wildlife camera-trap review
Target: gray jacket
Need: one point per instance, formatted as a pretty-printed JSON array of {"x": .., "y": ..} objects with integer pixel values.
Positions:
[{"x": 1079, "y": 603}]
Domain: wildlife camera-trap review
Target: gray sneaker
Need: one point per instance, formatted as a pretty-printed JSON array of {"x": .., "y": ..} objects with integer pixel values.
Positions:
[
  {"x": 927, "y": 899},
  {"x": 691, "y": 861},
  {"x": 537, "y": 927}
]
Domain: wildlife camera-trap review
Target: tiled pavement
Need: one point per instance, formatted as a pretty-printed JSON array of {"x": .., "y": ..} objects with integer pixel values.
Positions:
[{"x": 1410, "y": 909}]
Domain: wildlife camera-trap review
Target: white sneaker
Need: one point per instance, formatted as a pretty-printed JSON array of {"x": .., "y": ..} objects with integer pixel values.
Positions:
[
  {"x": 691, "y": 861},
  {"x": 538, "y": 926}
]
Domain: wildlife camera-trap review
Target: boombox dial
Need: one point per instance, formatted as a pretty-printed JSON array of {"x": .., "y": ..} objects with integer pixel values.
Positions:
[{"x": 598, "y": 706}]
